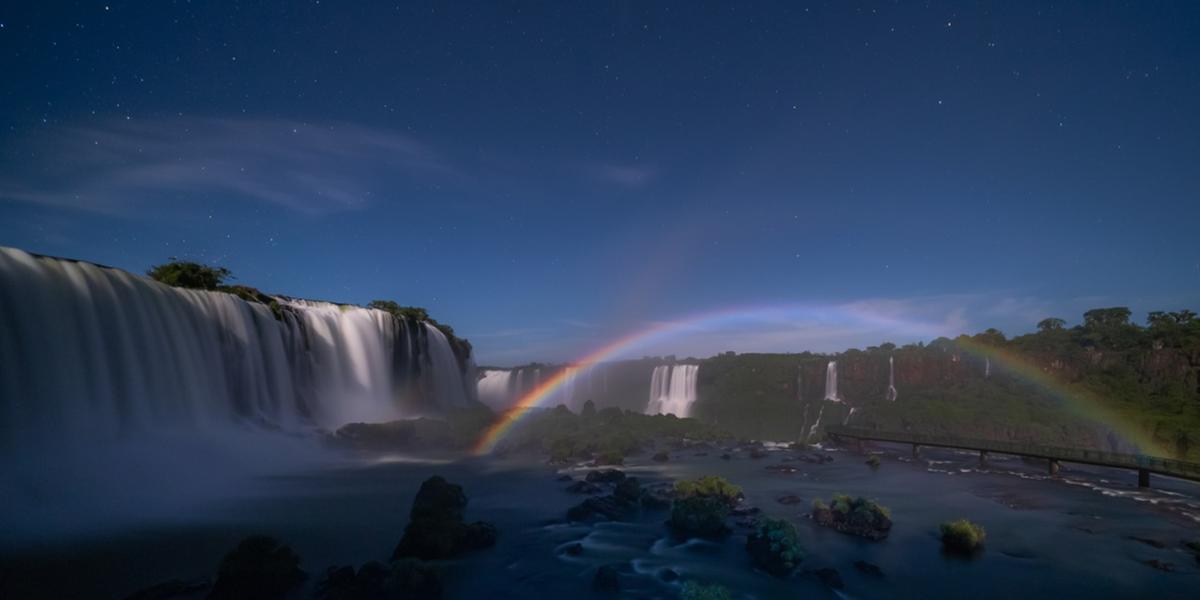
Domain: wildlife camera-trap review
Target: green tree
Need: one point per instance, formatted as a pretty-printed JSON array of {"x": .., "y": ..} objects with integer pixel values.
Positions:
[
  {"x": 1103, "y": 318},
  {"x": 184, "y": 274},
  {"x": 1051, "y": 324}
]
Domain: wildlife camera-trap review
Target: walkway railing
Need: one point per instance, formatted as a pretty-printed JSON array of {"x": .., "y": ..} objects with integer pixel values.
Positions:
[{"x": 1142, "y": 463}]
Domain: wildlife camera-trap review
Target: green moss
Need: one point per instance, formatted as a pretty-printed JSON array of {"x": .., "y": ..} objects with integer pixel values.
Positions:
[
  {"x": 774, "y": 547},
  {"x": 962, "y": 535},
  {"x": 711, "y": 486}
]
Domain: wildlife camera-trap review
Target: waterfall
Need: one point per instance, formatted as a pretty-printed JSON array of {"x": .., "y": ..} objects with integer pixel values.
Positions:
[
  {"x": 813, "y": 430},
  {"x": 891, "y": 391},
  {"x": 99, "y": 353},
  {"x": 848, "y": 415},
  {"x": 987, "y": 367},
  {"x": 672, "y": 390},
  {"x": 831, "y": 391},
  {"x": 494, "y": 389}
]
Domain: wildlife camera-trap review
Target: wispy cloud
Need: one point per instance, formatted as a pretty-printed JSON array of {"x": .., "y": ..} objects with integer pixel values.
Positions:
[
  {"x": 631, "y": 176},
  {"x": 116, "y": 166}
]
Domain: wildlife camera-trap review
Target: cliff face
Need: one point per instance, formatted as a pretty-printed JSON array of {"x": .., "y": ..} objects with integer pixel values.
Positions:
[{"x": 1026, "y": 393}]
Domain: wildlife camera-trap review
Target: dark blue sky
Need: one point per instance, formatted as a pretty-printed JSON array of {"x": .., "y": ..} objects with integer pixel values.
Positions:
[{"x": 545, "y": 176}]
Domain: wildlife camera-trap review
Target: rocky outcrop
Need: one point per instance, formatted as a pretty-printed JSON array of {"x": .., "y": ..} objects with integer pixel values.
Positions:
[
  {"x": 436, "y": 529},
  {"x": 855, "y": 516},
  {"x": 260, "y": 567}
]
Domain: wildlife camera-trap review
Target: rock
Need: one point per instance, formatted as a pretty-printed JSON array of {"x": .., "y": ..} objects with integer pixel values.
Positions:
[
  {"x": 607, "y": 579},
  {"x": 610, "y": 507},
  {"x": 726, "y": 456},
  {"x": 403, "y": 579},
  {"x": 436, "y": 529},
  {"x": 628, "y": 490},
  {"x": 744, "y": 510},
  {"x": 774, "y": 547},
  {"x": 789, "y": 499},
  {"x": 584, "y": 487},
  {"x": 1148, "y": 541},
  {"x": 260, "y": 567},
  {"x": 668, "y": 575},
  {"x": 830, "y": 577},
  {"x": 661, "y": 457},
  {"x": 1160, "y": 565},
  {"x": 747, "y": 523},
  {"x": 605, "y": 476},
  {"x": 757, "y": 453},
  {"x": 565, "y": 477},
  {"x": 868, "y": 568},
  {"x": 657, "y": 498},
  {"x": 782, "y": 469},
  {"x": 574, "y": 549},
  {"x": 176, "y": 588},
  {"x": 700, "y": 454}
]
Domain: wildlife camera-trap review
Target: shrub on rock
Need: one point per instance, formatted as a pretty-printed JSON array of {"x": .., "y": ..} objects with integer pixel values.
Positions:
[
  {"x": 774, "y": 547},
  {"x": 259, "y": 568},
  {"x": 962, "y": 536},
  {"x": 855, "y": 516},
  {"x": 694, "y": 590}
]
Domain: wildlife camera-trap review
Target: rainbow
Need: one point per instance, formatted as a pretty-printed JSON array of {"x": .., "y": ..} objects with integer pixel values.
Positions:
[
  {"x": 843, "y": 314},
  {"x": 1082, "y": 402}
]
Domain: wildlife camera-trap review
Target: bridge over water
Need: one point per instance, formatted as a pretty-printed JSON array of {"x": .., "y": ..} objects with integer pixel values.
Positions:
[{"x": 1143, "y": 464}]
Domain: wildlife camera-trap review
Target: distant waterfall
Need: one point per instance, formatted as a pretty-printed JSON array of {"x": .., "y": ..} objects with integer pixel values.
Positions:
[
  {"x": 831, "y": 391},
  {"x": 494, "y": 388},
  {"x": 987, "y": 367},
  {"x": 891, "y": 391},
  {"x": 96, "y": 352},
  {"x": 813, "y": 430},
  {"x": 848, "y": 415},
  {"x": 672, "y": 390}
]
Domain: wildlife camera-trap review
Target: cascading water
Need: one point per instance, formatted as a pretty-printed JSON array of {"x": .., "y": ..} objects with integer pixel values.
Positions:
[
  {"x": 987, "y": 366},
  {"x": 494, "y": 388},
  {"x": 98, "y": 352},
  {"x": 672, "y": 390},
  {"x": 891, "y": 391},
  {"x": 831, "y": 391}
]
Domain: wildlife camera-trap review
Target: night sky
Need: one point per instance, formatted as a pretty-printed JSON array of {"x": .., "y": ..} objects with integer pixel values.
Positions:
[{"x": 547, "y": 176}]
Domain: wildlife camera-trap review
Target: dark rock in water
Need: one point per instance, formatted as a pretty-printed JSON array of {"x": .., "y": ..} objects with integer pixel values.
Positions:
[
  {"x": 607, "y": 579},
  {"x": 628, "y": 490},
  {"x": 668, "y": 575},
  {"x": 584, "y": 487},
  {"x": 868, "y": 568},
  {"x": 744, "y": 510},
  {"x": 610, "y": 507},
  {"x": 1160, "y": 565},
  {"x": 573, "y": 549},
  {"x": 830, "y": 577},
  {"x": 700, "y": 454},
  {"x": 757, "y": 453},
  {"x": 815, "y": 458},
  {"x": 661, "y": 457},
  {"x": 260, "y": 567},
  {"x": 857, "y": 516},
  {"x": 747, "y": 523},
  {"x": 789, "y": 499},
  {"x": 1148, "y": 541},
  {"x": 565, "y": 477},
  {"x": 726, "y": 456},
  {"x": 605, "y": 476},
  {"x": 782, "y": 469},
  {"x": 176, "y": 588},
  {"x": 375, "y": 581},
  {"x": 436, "y": 529}
]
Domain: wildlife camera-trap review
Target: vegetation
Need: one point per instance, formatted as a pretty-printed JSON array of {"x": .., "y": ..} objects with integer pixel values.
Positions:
[
  {"x": 962, "y": 536},
  {"x": 774, "y": 547},
  {"x": 611, "y": 434},
  {"x": 694, "y": 590},
  {"x": 461, "y": 346},
  {"x": 1145, "y": 379},
  {"x": 710, "y": 486},
  {"x": 856, "y": 516},
  {"x": 873, "y": 461},
  {"x": 184, "y": 274}
]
